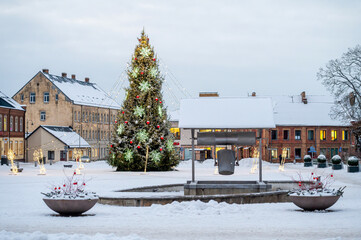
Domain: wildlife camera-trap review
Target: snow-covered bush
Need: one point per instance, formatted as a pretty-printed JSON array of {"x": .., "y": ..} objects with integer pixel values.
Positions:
[
  {"x": 353, "y": 161},
  {"x": 321, "y": 158},
  {"x": 336, "y": 159},
  {"x": 307, "y": 158},
  {"x": 72, "y": 188}
]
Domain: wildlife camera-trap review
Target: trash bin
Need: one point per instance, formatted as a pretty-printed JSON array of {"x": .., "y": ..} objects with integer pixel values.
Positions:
[
  {"x": 4, "y": 160},
  {"x": 226, "y": 160}
]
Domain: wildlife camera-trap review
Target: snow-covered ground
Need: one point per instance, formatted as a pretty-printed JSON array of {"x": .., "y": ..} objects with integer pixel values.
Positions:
[{"x": 23, "y": 214}]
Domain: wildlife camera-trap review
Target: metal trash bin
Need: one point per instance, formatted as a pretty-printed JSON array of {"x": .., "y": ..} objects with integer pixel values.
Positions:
[
  {"x": 4, "y": 160},
  {"x": 226, "y": 161}
]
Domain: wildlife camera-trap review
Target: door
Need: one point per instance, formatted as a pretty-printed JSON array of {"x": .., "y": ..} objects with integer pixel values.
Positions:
[{"x": 63, "y": 156}]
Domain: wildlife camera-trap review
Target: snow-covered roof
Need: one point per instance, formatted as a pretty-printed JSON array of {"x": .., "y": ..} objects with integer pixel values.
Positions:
[
  {"x": 215, "y": 112},
  {"x": 83, "y": 93},
  {"x": 291, "y": 111},
  {"x": 8, "y": 102},
  {"x": 67, "y": 136},
  {"x": 174, "y": 115}
]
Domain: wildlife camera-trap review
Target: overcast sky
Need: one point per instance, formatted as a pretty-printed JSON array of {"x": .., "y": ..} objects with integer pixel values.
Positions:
[{"x": 233, "y": 47}]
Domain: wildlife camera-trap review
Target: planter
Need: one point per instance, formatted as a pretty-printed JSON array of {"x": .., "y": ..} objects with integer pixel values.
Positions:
[
  {"x": 321, "y": 165},
  {"x": 353, "y": 169},
  {"x": 307, "y": 164},
  {"x": 337, "y": 166},
  {"x": 312, "y": 203},
  {"x": 70, "y": 207}
]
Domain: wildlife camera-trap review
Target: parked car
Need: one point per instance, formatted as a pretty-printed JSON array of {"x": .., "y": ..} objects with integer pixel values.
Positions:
[{"x": 85, "y": 159}]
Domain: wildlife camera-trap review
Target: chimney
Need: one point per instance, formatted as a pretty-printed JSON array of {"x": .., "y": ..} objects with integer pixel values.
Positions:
[
  {"x": 86, "y": 79},
  {"x": 253, "y": 94},
  {"x": 45, "y": 70},
  {"x": 208, "y": 94},
  {"x": 304, "y": 99},
  {"x": 73, "y": 76},
  {"x": 63, "y": 75}
]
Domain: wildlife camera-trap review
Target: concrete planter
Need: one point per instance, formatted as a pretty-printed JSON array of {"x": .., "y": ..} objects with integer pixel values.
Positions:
[
  {"x": 337, "y": 166},
  {"x": 307, "y": 164},
  {"x": 312, "y": 203},
  {"x": 70, "y": 207},
  {"x": 353, "y": 168},
  {"x": 321, "y": 165}
]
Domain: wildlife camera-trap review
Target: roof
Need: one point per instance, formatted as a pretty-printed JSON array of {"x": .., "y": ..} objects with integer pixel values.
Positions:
[
  {"x": 291, "y": 111},
  {"x": 236, "y": 113},
  {"x": 65, "y": 135},
  {"x": 7, "y": 102}
]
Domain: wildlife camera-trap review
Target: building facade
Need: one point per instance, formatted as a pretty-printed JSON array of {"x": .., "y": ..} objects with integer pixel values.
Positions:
[
  {"x": 12, "y": 127},
  {"x": 65, "y": 101}
]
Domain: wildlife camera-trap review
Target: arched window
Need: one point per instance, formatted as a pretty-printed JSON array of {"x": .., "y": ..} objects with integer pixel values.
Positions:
[
  {"x": 11, "y": 123},
  {"x": 16, "y": 123},
  {"x": 5, "y": 123},
  {"x": 21, "y": 124}
]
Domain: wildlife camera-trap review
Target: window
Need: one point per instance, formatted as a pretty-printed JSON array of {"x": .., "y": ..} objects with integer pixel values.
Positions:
[
  {"x": 176, "y": 133},
  {"x": 274, "y": 153},
  {"x": 51, "y": 155},
  {"x": 323, "y": 151},
  {"x": 1, "y": 123},
  {"x": 310, "y": 135},
  {"x": 323, "y": 135},
  {"x": 16, "y": 148},
  {"x": 46, "y": 97},
  {"x": 21, "y": 124},
  {"x": 16, "y": 124},
  {"x": 344, "y": 135},
  {"x": 297, "y": 134},
  {"x": 74, "y": 116},
  {"x": 78, "y": 116},
  {"x": 21, "y": 148},
  {"x": 274, "y": 134},
  {"x": 334, "y": 151},
  {"x": 333, "y": 135},
  {"x": 297, "y": 153},
  {"x": 11, "y": 123},
  {"x": 83, "y": 117},
  {"x": 5, "y": 123},
  {"x": 56, "y": 97},
  {"x": 286, "y": 134},
  {"x": 22, "y": 97},
  {"x": 32, "y": 97},
  {"x": 92, "y": 117},
  {"x": 288, "y": 152},
  {"x": 42, "y": 116},
  {"x": 86, "y": 134}
]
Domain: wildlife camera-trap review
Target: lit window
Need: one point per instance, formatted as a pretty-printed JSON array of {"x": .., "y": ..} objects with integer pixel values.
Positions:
[
  {"x": 274, "y": 153},
  {"x": 205, "y": 130},
  {"x": 298, "y": 134},
  {"x": 32, "y": 97},
  {"x": 16, "y": 124},
  {"x": 334, "y": 135},
  {"x": 344, "y": 135},
  {"x": 5, "y": 123},
  {"x": 323, "y": 135},
  {"x": 176, "y": 133},
  {"x": 42, "y": 116},
  {"x": 1, "y": 123},
  {"x": 11, "y": 123},
  {"x": 21, "y": 124},
  {"x": 46, "y": 97}
]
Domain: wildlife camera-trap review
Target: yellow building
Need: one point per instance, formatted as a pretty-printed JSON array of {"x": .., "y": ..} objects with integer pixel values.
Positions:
[{"x": 61, "y": 101}]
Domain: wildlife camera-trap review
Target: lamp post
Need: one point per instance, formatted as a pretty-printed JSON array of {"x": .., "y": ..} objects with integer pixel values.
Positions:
[{"x": 27, "y": 133}]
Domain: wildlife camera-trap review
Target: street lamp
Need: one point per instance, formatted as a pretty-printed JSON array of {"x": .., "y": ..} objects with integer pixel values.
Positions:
[{"x": 27, "y": 133}]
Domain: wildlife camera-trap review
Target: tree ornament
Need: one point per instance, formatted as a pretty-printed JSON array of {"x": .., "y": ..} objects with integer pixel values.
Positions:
[
  {"x": 153, "y": 72},
  {"x": 161, "y": 138},
  {"x": 160, "y": 111},
  {"x": 131, "y": 142},
  {"x": 144, "y": 86},
  {"x": 138, "y": 147},
  {"x": 158, "y": 126},
  {"x": 142, "y": 135},
  {"x": 169, "y": 145},
  {"x": 138, "y": 111},
  {"x": 137, "y": 96},
  {"x": 123, "y": 112},
  {"x": 155, "y": 156},
  {"x": 126, "y": 122},
  {"x": 136, "y": 121},
  {"x": 128, "y": 155},
  {"x": 135, "y": 72},
  {"x": 160, "y": 149},
  {"x": 154, "y": 59},
  {"x": 145, "y": 51},
  {"x": 160, "y": 101},
  {"x": 148, "y": 122},
  {"x": 148, "y": 106},
  {"x": 156, "y": 99},
  {"x": 111, "y": 145},
  {"x": 120, "y": 129},
  {"x": 115, "y": 121},
  {"x": 141, "y": 73},
  {"x": 135, "y": 59}
]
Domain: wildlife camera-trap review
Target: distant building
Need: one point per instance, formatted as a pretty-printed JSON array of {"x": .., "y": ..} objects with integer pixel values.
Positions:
[
  {"x": 12, "y": 127},
  {"x": 303, "y": 126},
  {"x": 62, "y": 101},
  {"x": 57, "y": 143}
]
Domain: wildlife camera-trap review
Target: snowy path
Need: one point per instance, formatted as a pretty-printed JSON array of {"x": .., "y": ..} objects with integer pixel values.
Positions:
[{"x": 22, "y": 209}]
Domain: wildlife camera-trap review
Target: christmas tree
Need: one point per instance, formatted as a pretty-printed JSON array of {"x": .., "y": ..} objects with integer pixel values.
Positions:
[{"x": 142, "y": 138}]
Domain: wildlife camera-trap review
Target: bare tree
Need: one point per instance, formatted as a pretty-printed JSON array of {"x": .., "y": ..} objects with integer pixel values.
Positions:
[{"x": 342, "y": 77}]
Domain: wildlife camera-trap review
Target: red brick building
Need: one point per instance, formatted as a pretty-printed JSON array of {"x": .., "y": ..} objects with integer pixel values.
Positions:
[{"x": 12, "y": 123}]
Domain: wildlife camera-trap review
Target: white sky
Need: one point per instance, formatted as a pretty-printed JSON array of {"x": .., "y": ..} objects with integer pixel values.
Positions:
[{"x": 233, "y": 47}]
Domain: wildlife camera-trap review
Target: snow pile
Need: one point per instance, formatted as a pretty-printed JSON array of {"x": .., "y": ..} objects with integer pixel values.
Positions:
[
  {"x": 196, "y": 208},
  {"x": 5, "y": 235},
  {"x": 248, "y": 162}
]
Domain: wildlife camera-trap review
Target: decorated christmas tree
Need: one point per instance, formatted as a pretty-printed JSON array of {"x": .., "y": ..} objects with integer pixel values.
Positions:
[{"x": 142, "y": 138}]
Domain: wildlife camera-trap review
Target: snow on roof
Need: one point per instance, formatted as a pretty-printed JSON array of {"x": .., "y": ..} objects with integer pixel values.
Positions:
[
  {"x": 83, "y": 93},
  {"x": 8, "y": 102},
  {"x": 226, "y": 113},
  {"x": 67, "y": 136},
  {"x": 291, "y": 111},
  {"x": 174, "y": 115}
]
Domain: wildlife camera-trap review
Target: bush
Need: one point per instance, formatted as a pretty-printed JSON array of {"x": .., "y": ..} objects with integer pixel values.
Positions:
[
  {"x": 336, "y": 159},
  {"x": 353, "y": 161},
  {"x": 307, "y": 158},
  {"x": 321, "y": 158}
]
